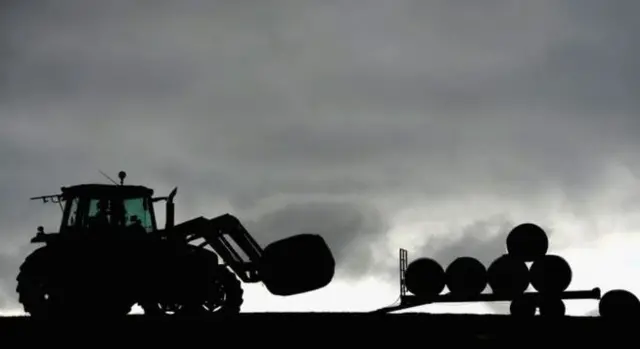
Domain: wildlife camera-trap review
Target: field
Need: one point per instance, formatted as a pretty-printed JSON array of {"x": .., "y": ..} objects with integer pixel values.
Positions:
[{"x": 313, "y": 329}]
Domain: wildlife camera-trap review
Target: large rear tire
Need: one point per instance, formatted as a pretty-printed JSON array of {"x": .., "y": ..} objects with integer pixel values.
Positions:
[
  {"x": 50, "y": 285},
  {"x": 36, "y": 289}
]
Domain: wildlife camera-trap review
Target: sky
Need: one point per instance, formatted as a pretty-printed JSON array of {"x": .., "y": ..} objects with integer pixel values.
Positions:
[{"x": 434, "y": 126}]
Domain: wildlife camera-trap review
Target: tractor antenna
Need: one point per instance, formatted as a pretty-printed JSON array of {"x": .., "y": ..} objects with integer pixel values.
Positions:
[{"x": 109, "y": 178}]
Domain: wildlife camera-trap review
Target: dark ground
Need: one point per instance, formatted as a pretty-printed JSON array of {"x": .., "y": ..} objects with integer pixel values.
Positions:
[{"x": 304, "y": 330}]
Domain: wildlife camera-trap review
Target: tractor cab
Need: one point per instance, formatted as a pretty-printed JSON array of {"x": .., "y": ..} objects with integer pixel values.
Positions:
[
  {"x": 107, "y": 207},
  {"x": 89, "y": 206}
]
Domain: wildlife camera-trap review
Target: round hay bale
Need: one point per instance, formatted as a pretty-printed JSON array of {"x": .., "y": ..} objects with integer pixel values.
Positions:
[
  {"x": 508, "y": 276},
  {"x": 527, "y": 242},
  {"x": 425, "y": 277},
  {"x": 551, "y": 274},
  {"x": 619, "y": 304},
  {"x": 552, "y": 307},
  {"x": 466, "y": 276},
  {"x": 297, "y": 264},
  {"x": 523, "y": 307}
]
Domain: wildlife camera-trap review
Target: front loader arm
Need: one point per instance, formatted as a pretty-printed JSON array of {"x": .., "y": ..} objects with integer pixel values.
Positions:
[{"x": 220, "y": 232}]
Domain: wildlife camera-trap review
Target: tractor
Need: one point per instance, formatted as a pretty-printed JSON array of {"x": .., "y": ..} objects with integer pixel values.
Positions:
[{"x": 110, "y": 255}]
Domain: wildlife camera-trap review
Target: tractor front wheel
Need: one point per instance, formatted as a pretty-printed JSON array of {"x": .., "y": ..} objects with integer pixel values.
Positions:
[{"x": 223, "y": 295}]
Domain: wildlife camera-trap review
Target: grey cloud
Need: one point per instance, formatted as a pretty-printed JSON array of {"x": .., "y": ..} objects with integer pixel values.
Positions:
[
  {"x": 349, "y": 229},
  {"x": 484, "y": 240},
  {"x": 237, "y": 104}
]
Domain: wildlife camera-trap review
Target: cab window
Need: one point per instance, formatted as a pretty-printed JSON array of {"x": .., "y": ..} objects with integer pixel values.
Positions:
[
  {"x": 73, "y": 213},
  {"x": 138, "y": 211}
]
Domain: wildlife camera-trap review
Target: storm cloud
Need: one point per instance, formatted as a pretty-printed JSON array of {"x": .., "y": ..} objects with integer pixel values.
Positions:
[{"x": 330, "y": 117}]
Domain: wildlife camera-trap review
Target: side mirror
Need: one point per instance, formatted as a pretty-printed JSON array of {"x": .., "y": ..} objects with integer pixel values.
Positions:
[{"x": 40, "y": 230}]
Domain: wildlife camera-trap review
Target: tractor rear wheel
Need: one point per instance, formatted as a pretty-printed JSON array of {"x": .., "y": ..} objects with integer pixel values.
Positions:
[
  {"x": 36, "y": 290},
  {"x": 48, "y": 286}
]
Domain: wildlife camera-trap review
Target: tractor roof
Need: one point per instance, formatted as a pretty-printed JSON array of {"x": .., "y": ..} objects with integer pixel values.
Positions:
[{"x": 106, "y": 190}]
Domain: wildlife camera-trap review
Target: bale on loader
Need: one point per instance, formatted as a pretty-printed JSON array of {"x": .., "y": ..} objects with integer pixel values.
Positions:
[{"x": 297, "y": 264}]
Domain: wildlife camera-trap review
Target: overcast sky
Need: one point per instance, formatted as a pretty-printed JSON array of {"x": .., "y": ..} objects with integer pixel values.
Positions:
[{"x": 435, "y": 126}]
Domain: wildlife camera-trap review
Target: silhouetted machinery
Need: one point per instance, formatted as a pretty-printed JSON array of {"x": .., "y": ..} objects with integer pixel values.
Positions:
[
  {"x": 109, "y": 255},
  {"x": 509, "y": 276}
]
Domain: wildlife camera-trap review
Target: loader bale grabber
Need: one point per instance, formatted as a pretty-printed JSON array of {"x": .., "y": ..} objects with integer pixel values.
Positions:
[
  {"x": 220, "y": 233},
  {"x": 109, "y": 255}
]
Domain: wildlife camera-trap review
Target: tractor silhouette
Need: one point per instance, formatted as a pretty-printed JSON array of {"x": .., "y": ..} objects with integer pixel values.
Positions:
[{"x": 109, "y": 255}]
